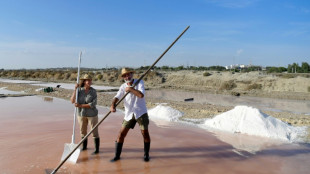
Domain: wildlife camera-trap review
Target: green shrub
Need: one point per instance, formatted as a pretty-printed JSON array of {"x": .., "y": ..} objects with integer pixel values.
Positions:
[
  {"x": 206, "y": 74},
  {"x": 228, "y": 85},
  {"x": 99, "y": 77}
]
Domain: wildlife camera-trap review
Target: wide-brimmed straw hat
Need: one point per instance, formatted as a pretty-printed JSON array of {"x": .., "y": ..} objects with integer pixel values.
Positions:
[
  {"x": 126, "y": 71},
  {"x": 86, "y": 77}
]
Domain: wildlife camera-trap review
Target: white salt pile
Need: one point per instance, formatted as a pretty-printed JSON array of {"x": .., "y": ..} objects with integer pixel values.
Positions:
[
  {"x": 164, "y": 113},
  {"x": 251, "y": 121}
]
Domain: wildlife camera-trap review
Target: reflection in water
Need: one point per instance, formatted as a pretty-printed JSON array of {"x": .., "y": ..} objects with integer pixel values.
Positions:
[
  {"x": 243, "y": 144},
  {"x": 163, "y": 123},
  {"x": 294, "y": 106},
  {"x": 48, "y": 99},
  {"x": 119, "y": 168},
  {"x": 246, "y": 143},
  {"x": 147, "y": 168}
]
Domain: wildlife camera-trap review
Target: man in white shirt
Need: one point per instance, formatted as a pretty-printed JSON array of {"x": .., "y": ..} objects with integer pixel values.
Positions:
[{"x": 135, "y": 111}]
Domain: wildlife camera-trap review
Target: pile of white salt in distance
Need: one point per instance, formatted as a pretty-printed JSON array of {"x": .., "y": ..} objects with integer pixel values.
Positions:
[{"x": 251, "y": 121}]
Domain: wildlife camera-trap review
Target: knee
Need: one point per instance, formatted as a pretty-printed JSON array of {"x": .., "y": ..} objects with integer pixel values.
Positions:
[
  {"x": 122, "y": 135},
  {"x": 146, "y": 136}
]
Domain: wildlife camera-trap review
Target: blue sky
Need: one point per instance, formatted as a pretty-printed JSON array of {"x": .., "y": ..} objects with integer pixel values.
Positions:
[{"x": 134, "y": 33}]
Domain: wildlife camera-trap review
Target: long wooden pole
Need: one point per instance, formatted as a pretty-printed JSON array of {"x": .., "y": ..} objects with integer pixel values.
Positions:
[
  {"x": 76, "y": 98},
  {"x": 68, "y": 156}
]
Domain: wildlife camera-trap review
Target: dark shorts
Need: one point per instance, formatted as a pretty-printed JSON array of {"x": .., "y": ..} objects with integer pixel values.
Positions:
[{"x": 143, "y": 122}]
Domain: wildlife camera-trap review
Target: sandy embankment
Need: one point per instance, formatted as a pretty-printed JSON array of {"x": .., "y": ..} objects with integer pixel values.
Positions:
[
  {"x": 190, "y": 110},
  {"x": 259, "y": 84}
]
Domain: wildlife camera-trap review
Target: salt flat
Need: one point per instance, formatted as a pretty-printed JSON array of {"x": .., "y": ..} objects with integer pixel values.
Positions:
[{"x": 34, "y": 130}]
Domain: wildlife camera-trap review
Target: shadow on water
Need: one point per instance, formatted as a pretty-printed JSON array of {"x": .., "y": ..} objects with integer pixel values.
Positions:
[
  {"x": 202, "y": 152},
  {"x": 48, "y": 99},
  {"x": 305, "y": 149}
]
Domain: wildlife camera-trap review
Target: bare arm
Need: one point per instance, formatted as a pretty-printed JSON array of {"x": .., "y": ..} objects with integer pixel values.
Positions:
[{"x": 113, "y": 105}]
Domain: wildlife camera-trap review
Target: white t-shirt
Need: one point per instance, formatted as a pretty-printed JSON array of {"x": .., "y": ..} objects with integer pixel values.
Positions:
[{"x": 133, "y": 104}]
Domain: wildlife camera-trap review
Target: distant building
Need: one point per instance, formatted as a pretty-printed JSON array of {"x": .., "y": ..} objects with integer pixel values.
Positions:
[
  {"x": 241, "y": 66},
  {"x": 237, "y": 66}
]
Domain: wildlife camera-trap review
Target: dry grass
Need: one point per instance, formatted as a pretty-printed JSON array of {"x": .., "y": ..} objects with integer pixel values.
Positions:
[
  {"x": 254, "y": 86},
  {"x": 244, "y": 82}
]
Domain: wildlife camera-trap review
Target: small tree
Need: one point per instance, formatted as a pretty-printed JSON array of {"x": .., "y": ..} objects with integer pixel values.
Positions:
[
  {"x": 165, "y": 68},
  {"x": 305, "y": 68},
  {"x": 293, "y": 68},
  {"x": 180, "y": 68}
]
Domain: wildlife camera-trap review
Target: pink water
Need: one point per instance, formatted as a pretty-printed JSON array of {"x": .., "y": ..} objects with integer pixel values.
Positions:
[{"x": 33, "y": 131}]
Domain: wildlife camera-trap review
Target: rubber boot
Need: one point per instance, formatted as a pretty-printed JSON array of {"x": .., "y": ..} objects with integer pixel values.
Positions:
[
  {"x": 97, "y": 144},
  {"x": 146, "y": 151},
  {"x": 118, "y": 151},
  {"x": 84, "y": 144}
]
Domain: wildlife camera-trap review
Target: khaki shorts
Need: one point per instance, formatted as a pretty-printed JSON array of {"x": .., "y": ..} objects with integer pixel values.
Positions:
[{"x": 143, "y": 122}]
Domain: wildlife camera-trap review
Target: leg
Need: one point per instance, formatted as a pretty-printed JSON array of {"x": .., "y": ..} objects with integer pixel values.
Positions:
[
  {"x": 83, "y": 121},
  {"x": 97, "y": 145},
  {"x": 126, "y": 125},
  {"x": 119, "y": 143},
  {"x": 93, "y": 121},
  {"x": 122, "y": 134},
  {"x": 146, "y": 136},
  {"x": 144, "y": 122},
  {"x": 147, "y": 144}
]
